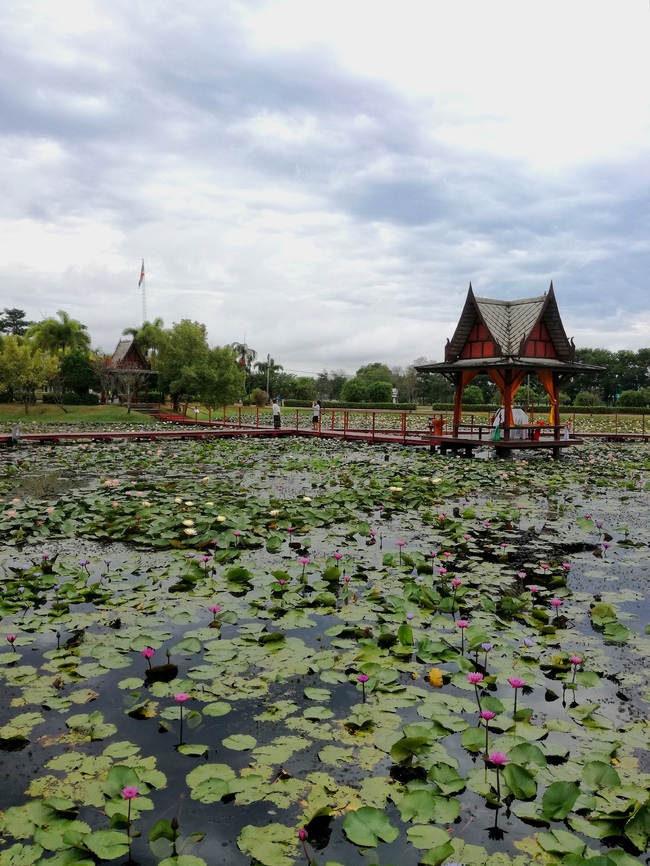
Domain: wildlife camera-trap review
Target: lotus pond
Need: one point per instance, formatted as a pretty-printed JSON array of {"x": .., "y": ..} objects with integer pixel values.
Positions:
[{"x": 289, "y": 651}]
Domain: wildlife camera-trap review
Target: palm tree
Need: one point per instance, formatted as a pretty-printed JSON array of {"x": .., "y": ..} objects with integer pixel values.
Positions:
[
  {"x": 58, "y": 335},
  {"x": 245, "y": 357},
  {"x": 268, "y": 368},
  {"x": 148, "y": 337}
]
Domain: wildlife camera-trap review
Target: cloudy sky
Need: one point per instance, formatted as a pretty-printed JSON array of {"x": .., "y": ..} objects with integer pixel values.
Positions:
[{"x": 324, "y": 179}]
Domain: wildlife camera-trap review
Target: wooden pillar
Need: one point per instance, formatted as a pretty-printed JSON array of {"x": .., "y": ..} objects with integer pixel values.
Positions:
[
  {"x": 458, "y": 402},
  {"x": 507, "y": 403}
]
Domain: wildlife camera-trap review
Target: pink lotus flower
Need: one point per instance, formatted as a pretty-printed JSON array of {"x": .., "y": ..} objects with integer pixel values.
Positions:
[
  {"x": 517, "y": 683},
  {"x": 474, "y": 677},
  {"x": 488, "y": 715},
  {"x": 575, "y": 660},
  {"x": 129, "y": 792},
  {"x": 462, "y": 623},
  {"x": 11, "y": 639},
  {"x": 556, "y": 602},
  {"x": 148, "y": 653},
  {"x": 181, "y": 697},
  {"x": 533, "y": 589},
  {"x": 337, "y": 556},
  {"x": 401, "y": 543},
  {"x": 363, "y": 679},
  {"x": 499, "y": 759},
  {"x": 456, "y": 582},
  {"x": 304, "y": 560}
]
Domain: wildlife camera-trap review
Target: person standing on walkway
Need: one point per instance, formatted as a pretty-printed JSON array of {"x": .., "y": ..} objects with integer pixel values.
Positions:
[
  {"x": 316, "y": 407},
  {"x": 277, "y": 422}
]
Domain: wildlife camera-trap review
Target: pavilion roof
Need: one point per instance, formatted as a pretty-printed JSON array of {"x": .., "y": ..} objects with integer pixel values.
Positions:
[
  {"x": 510, "y": 324},
  {"x": 128, "y": 353},
  {"x": 522, "y": 334}
]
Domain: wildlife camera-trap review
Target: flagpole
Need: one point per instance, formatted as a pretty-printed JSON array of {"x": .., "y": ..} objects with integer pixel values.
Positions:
[{"x": 142, "y": 284}]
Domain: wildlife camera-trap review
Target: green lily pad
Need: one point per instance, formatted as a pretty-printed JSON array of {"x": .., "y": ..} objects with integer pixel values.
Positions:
[{"x": 367, "y": 826}]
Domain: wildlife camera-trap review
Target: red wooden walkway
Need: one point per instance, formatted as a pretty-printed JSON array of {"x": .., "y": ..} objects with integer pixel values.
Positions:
[{"x": 409, "y": 428}]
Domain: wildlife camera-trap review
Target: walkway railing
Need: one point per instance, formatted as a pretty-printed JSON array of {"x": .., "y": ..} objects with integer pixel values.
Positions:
[{"x": 403, "y": 425}]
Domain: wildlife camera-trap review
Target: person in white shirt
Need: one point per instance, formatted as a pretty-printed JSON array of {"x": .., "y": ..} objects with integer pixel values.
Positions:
[
  {"x": 277, "y": 422},
  {"x": 315, "y": 414}
]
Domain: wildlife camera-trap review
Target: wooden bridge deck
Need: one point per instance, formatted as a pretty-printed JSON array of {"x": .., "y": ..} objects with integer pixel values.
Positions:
[{"x": 343, "y": 425}]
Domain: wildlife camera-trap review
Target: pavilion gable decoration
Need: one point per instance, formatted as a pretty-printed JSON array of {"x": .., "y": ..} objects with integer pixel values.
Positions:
[
  {"x": 128, "y": 355},
  {"x": 527, "y": 328}
]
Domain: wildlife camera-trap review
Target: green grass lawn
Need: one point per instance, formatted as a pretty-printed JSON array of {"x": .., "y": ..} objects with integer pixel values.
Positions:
[{"x": 46, "y": 413}]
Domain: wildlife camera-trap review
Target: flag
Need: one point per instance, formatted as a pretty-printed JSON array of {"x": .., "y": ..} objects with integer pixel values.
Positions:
[{"x": 141, "y": 280}]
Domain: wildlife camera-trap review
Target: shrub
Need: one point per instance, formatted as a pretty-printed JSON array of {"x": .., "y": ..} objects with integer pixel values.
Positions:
[
  {"x": 587, "y": 398},
  {"x": 69, "y": 398},
  {"x": 354, "y": 390},
  {"x": 259, "y": 397},
  {"x": 632, "y": 398},
  {"x": 473, "y": 396},
  {"x": 380, "y": 392}
]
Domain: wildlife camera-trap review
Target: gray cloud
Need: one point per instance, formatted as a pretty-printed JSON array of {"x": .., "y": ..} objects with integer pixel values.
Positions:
[{"x": 275, "y": 193}]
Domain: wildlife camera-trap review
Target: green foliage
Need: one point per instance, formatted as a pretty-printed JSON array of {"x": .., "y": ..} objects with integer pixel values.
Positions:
[
  {"x": 633, "y": 398},
  {"x": 12, "y": 321},
  {"x": 76, "y": 372},
  {"x": 354, "y": 390},
  {"x": 473, "y": 396},
  {"x": 379, "y": 392},
  {"x": 189, "y": 369},
  {"x": 24, "y": 367},
  {"x": 375, "y": 372},
  {"x": 586, "y": 398},
  {"x": 57, "y": 336}
]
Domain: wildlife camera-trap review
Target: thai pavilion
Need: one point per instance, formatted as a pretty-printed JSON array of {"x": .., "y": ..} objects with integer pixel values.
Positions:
[{"x": 508, "y": 341}]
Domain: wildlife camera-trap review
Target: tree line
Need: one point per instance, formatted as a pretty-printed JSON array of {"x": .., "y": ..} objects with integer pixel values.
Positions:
[{"x": 55, "y": 354}]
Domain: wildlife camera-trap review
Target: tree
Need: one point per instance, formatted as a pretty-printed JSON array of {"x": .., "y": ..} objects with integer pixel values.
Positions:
[
  {"x": 304, "y": 388},
  {"x": 24, "y": 368},
  {"x": 245, "y": 357},
  {"x": 126, "y": 379},
  {"x": 182, "y": 355},
  {"x": 473, "y": 396},
  {"x": 354, "y": 390},
  {"x": 221, "y": 380},
  {"x": 375, "y": 373},
  {"x": 587, "y": 398},
  {"x": 12, "y": 321},
  {"x": 329, "y": 385},
  {"x": 633, "y": 398},
  {"x": 58, "y": 336},
  {"x": 380, "y": 392},
  {"x": 148, "y": 338},
  {"x": 76, "y": 372},
  {"x": 267, "y": 369}
]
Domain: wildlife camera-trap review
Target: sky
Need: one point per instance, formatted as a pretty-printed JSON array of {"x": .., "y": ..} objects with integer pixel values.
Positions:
[{"x": 323, "y": 180}]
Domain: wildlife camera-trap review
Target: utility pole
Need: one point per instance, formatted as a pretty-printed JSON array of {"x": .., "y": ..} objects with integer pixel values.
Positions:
[{"x": 268, "y": 373}]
